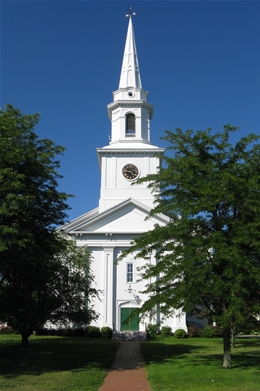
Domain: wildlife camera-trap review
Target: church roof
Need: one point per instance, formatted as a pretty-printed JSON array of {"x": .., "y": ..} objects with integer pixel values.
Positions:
[
  {"x": 130, "y": 73},
  {"x": 116, "y": 219}
]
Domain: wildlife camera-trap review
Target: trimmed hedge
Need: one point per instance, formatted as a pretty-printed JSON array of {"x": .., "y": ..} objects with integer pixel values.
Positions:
[
  {"x": 207, "y": 332},
  {"x": 106, "y": 332},
  {"x": 211, "y": 332},
  {"x": 93, "y": 332},
  {"x": 166, "y": 331},
  {"x": 180, "y": 333},
  {"x": 80, "y": 332},
  {"x": 152, "y": 331}
]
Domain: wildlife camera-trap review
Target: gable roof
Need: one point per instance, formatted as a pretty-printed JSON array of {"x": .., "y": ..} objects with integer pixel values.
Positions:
[{"x": 128, "y": 216}]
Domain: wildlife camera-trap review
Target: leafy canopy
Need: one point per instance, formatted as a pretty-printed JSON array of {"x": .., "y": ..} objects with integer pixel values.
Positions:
[
  {"x": 39, "y": 277},
  {"x": 209, "y": 253},
  {"x": 30, "y": 204}
]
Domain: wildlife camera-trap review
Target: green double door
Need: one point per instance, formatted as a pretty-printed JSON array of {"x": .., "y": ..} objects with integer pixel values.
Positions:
[{"x": 131, "y": 324}]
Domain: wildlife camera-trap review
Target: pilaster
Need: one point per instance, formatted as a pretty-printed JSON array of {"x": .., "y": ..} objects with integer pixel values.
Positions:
[{"x": 108, "y": 253}]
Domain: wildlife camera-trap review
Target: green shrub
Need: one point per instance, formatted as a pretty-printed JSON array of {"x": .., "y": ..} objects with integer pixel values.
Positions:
[
  {"x": 246, "y": 329},
  {"x": 93, "y": 332},
  {"x": 46, "y": 332},
  {"x": 152, "y": 331},
  {"x": 166, "y": 331},
  {"x": 107, "y": 332},
  {"x": 207, "y": 332},
  {"x": 193, "y": 332},
  {"x": 180, "y": 333},
  {"x": 58, "y": 332},
  {"x": 41, "y": 331},
  {"x": 218, "y": 332},
  {"x": 63, "y": 332},
  {"x": 253, "y": 332},
  {"x": 79, "y": 332},
  {"x": 211, "y": 331}
]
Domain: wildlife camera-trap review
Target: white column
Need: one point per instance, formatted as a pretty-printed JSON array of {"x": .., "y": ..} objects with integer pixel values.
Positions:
[
  {"x": 108, "y": 286},
  {"x": 181, "y": 320}
]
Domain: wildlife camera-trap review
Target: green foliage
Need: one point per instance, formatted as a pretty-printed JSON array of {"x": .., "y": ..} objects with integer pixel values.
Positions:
[
  {"x": 152, "y": 331},
  {"x": 74, "y": 287},
  {"x": 208, "y": 254},
  {"x": 43, "y": 276},
  {"x": 64, "y": 332},
  {"x": 43, "y": 331},
  {"x": 166, "y": 331},
  {"x": 218, "y": 332},
  {"x": 89, "y": 331},
  {"x": 93, "y": 332},
  {"x": 180, "y": 333},
  {"x": 106, "y": 332},
  {"x": 30, "y": 205},
  {"x": 207, "y": 332},
  {"x": 78, "y": 332},
  {"x": 61, "y": 332},
  {"x": 250, "y": 323}
]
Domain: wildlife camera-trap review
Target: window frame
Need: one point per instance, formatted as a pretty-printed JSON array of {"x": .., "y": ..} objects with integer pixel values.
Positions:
[
  {"x": 130, "y": 131},
  {"x": 129, "y": 273}
]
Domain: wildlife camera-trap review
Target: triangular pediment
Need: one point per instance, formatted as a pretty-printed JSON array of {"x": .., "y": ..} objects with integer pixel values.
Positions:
[{"x": 127, "y": 217}]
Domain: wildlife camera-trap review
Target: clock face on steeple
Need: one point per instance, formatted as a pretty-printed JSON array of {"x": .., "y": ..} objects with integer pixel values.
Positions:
[{"x": 130, "y": 171}]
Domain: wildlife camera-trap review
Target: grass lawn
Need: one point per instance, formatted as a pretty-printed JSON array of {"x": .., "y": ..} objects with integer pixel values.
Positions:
[
  {"x": 54, "y": 363},
  {"x": 196, "y": 364}
]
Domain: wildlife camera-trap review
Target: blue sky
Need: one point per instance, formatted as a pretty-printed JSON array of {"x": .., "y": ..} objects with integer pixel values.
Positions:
[{"x": 199, "y": 60}]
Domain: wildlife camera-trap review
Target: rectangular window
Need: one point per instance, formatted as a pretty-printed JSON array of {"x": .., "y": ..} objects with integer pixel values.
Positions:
[{"x": 129, "y": 272}]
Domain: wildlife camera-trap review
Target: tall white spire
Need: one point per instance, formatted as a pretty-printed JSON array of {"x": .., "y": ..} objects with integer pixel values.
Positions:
[
  {"x": 130, "y": 112},
  {"x": 130, "y": 73}
]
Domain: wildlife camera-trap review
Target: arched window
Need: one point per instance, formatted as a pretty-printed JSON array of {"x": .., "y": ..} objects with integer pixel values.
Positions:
[{"x": 130, "y": 125}]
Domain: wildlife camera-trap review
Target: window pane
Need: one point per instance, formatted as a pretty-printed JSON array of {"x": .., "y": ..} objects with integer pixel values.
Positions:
[{"x": 129, "y": 272}]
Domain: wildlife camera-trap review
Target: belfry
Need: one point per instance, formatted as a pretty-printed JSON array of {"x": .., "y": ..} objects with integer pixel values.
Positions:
[{"x": 122, "y": 210}]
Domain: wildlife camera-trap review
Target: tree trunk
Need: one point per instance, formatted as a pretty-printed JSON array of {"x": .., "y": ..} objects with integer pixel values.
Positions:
[
  {"x": 227, "y": 348},
  {"x": 233, "y": 336},
  {"x": 25, "y": 336}
]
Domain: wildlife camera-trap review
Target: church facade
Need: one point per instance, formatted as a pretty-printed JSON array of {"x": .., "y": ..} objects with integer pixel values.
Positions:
[{"x": 121, "y": 214}]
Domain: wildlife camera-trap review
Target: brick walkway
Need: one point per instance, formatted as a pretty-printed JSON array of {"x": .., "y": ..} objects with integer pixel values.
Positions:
[{"x": 127, "y": 372}]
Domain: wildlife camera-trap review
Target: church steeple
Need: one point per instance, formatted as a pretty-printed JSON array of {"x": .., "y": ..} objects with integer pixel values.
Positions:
[
  {"x": 130, "y": 113},
  {"x": 130, "y": 154},
  {"x": 130, "y": 73}
]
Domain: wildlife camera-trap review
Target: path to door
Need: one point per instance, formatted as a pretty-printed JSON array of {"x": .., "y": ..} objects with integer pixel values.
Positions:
[{"x": 127, "y": 372}]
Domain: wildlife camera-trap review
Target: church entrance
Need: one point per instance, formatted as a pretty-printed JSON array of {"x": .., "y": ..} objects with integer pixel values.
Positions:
[{"x": 129, "y": 324}]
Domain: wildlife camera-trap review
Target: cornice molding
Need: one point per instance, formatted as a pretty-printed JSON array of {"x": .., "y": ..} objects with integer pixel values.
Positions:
[
  {"x": 75, "y": 227},
  {"x": 127, "y": 104}
]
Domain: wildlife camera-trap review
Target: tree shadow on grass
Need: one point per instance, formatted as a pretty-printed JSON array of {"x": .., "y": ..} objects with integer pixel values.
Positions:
[
  {"x": 53, "y": 355},
  {"x": 240, "y": 360},
  {"x": 202, "y": 355},
  {"x": 161, "y": 353}
]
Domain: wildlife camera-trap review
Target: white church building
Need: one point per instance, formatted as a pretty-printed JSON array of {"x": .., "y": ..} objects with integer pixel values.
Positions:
[{"x": 121, "y": 214}]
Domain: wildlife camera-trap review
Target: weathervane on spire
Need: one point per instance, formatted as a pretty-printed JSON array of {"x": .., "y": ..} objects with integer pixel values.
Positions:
[{"x": 131, "y": 14}]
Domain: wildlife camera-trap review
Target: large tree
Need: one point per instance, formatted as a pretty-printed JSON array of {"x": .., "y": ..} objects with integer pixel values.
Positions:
[
  {"x": 31, "y": 207},
  {"x": 60, "y": 293},
  {"x": 209, "y": 253}
]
